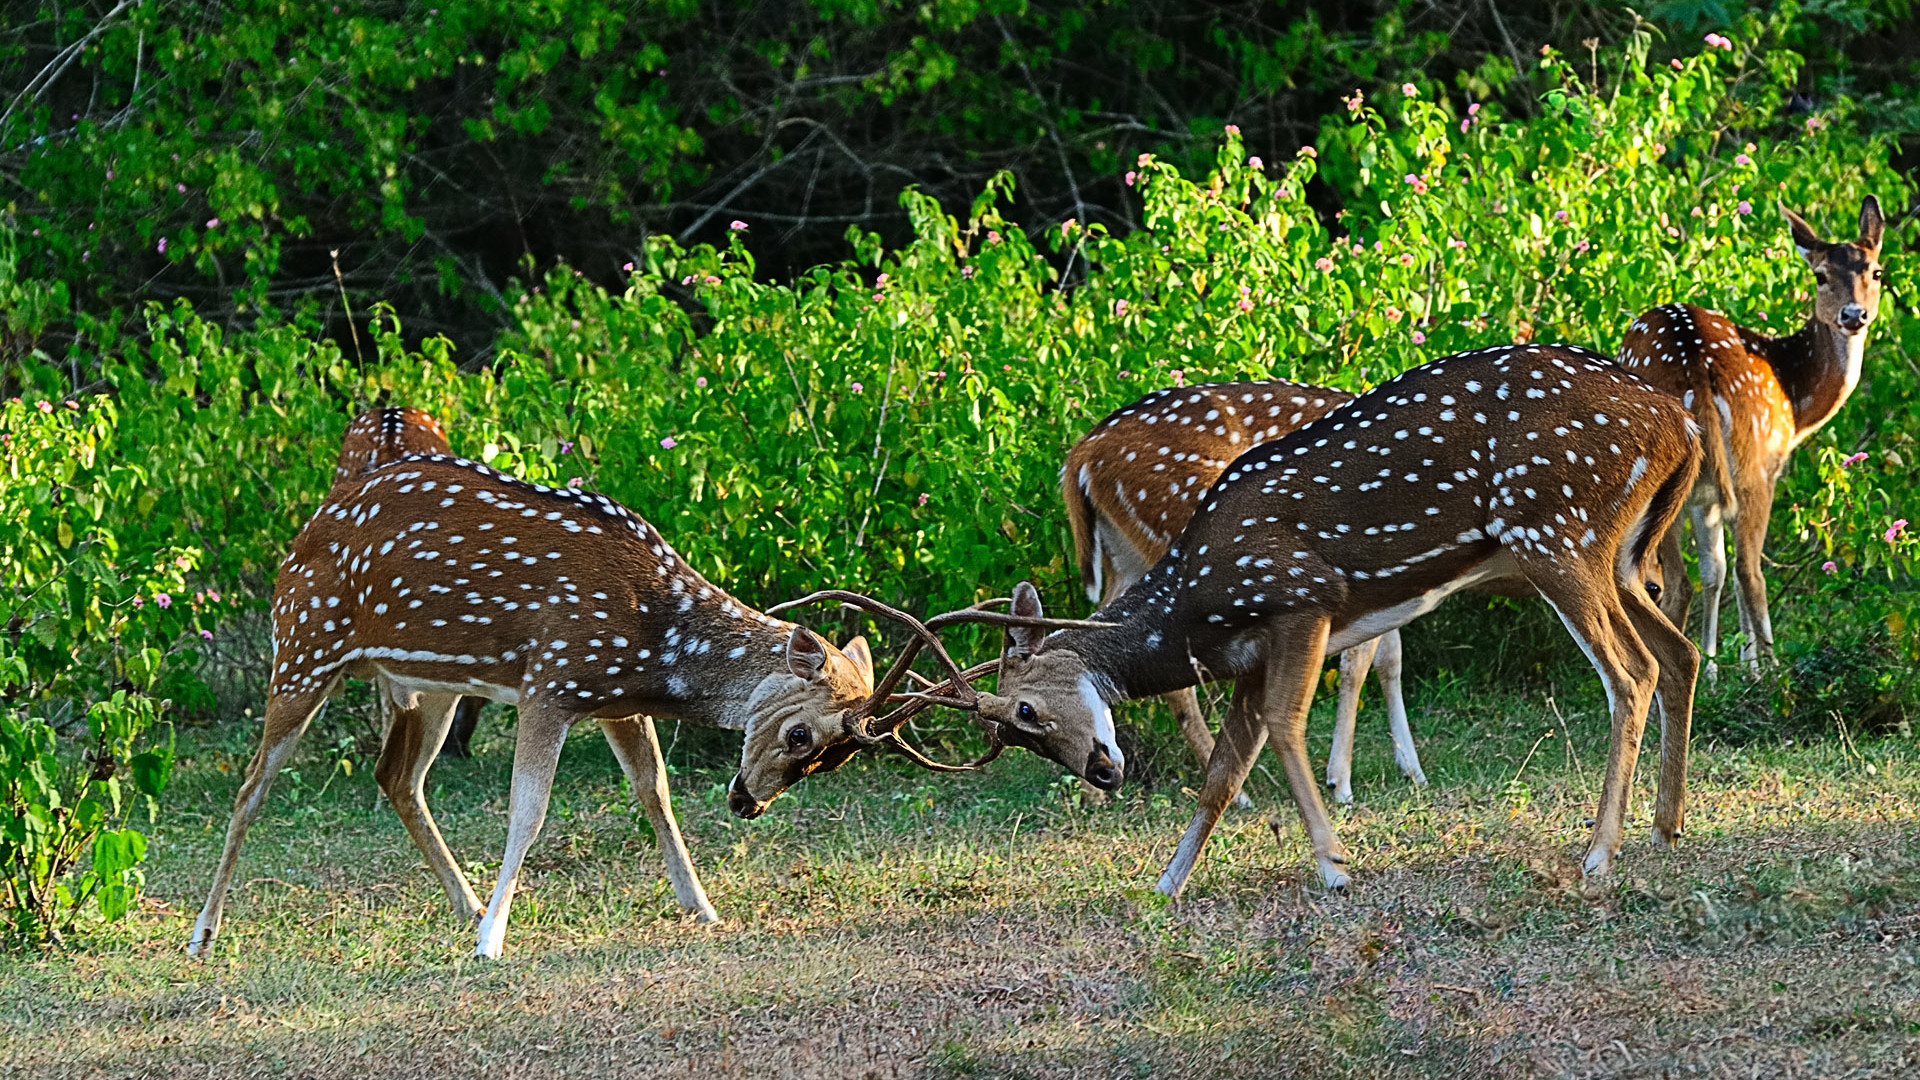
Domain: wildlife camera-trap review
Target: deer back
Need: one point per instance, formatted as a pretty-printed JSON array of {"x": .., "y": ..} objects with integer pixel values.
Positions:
[{"x": 387, "y": 434}]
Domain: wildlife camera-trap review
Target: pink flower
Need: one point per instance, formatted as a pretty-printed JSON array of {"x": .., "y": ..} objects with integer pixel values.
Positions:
[
  {"x": 993, "y": 236},
  {"x": 139, "y": 601},
  {"x": 1895, "y": 530},
  {"x": 1309, "y": 152},
  {"x": 1120, "y": 308},
  {"x": 700, "y": 381},
  {"x": 1392, "y": 314},
  {"x": 1560, "y": 215},
  {"x": 1233, "y": 129},
  {"x": 566, "y": 446},
  {"x": 213, "y": 223},
  {"x": 1353, "y": 103},
  {"x": 1125, "y": 375},
  {"x": 879, "y": 298},
  {"x": 1718, "y": 42},
  {"x": 922, "y": 501},
  {"x": 711, "y": 280},
  {"x": 213, "y": 596},
  {"x": 1131, "y": 177},
  {"x": 1419, "y": 338},
  {"x": 162, "y": 247},
  {"x": 857, "y": 388},
  {"x": 75, "y": 406},
  {"x": 1742, "y": 159},
  {"x": 573, "y": 483},
  {"x": 44, "y": 406},
  {"x": 1829, "y": 567},
  {"x": 1581, "y": 248},
  {"x": 1464, "y": 125},
  {"x": 1814, "y": 123},
  {"x": 1473, "y": 109},
  {"x": 737, "y": 226},
  {"x": 1245, "y": 305},
  {"x": 1143, "y": 159},
  {"x": 1066, "y": 227},
  {"x": 206, "y": 635},
  {"x": 880, "y": 282},
  {"x": 626, "y": 268},
  {"x": 966, "y": 271},
  {"x": 1855, "y": 459},
  {"x": 1179, "y": 377},
  {"x": 1406, "y": 258},
  {"x": 181, "y": 188},
  {"x": 1418, "y": 185},
  {"x": 1255, "y": 162},
  {"x": 1323, "y": 264},
  {"x": 1409, "y": 90},
  {"x": 1745, "y": 207},
  {"x": 669, "y": 443},
  {"x": 165, "y": 600},
  {"x": 1545, "y": 49},
  {"x": 1456, "y": 243},
  {"x": 688, "y": 280}
]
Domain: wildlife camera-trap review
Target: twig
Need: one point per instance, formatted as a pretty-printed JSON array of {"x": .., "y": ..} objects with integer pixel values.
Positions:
[{"x": 342, "y": 282}]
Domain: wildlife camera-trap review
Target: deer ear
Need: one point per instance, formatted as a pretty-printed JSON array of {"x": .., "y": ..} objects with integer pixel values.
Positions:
[
  {"x": 862, "y": 658},
  {"x": 1873, "y": 224},
  {"x": 806, "y": 654},
  {"x": 1023, "y": 641},
  {"x": 1804, "y": 237}
]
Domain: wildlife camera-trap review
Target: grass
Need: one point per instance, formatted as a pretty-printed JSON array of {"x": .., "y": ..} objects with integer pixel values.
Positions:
[{"x": 883, "y": 923}]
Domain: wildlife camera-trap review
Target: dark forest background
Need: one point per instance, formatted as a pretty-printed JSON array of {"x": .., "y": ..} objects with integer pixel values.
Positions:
[{"x": 262, "y": 156}]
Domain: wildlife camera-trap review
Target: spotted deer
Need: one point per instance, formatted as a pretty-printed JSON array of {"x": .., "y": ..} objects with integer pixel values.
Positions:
[
  {"x": 1758, "y": 397},
  {"x": 1132, "y": 483},
  {"x": 441, "y": 577},
  {"x": 378, "y": 437},
  {"x": 1544, "y": 462}
]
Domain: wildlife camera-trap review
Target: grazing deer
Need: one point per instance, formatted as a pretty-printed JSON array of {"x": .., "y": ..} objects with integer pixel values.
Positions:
[
  {"x": 1545, "y": 462},
  {"x": 1758, "y": 397},
  {"x": 375, "y": 438},
  {"x": 1134, "y": 481},
  {"x": 444, "y": 578}
]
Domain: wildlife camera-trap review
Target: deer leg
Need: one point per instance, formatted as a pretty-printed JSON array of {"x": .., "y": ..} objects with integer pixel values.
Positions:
[
  {"x": 1709, "y": 537},
  {"x": 466, "y": 718},
  {"x": 1295, "y": 649},
  {"x": 1241, "y": 736},
  {"x": 1594, "y": 617},
  {"x": 1676, "y": 587},
  {"x": 1679, "y": 665},
  {"x": 1354, "y": 664},
  {"x": 1749, "y": 542},
  {"x": 638, "y": 749},
  {"x": 288, "y": 715},
  {"x": 1193, "y": 725},
  {"x": 413, "y": 741},
  {"x": 1387, "y": 668},
  {"x": 540, "y": 734}
]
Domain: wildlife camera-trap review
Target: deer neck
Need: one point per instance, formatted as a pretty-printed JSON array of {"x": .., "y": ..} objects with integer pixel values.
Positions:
[
  {"x": 704, "y": 659},
  {"x": 1146, "y": 652},
  {"x": 1818, "y": 367}
]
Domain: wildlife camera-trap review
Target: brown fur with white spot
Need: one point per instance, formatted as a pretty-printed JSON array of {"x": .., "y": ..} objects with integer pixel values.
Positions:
[
  {"x": 1133, "y": 482},
  {"x": 1759, "y": 397},
  {"x": 1544, "y": 461},
  {"x": 442, "y": 577}
]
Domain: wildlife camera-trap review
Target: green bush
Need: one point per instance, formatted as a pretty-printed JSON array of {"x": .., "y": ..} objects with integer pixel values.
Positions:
[{"x": 895, "y": 422}]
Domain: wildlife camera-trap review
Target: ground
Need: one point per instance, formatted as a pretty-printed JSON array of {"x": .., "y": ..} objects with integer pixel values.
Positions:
[{"x": 881, "y": 922}]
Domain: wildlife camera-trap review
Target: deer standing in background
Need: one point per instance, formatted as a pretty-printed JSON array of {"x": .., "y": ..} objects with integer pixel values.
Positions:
[
  {"x": 379, "y": 437},
  {"x": 439, "y": 577},
  {"x": 1546, "y": 462},
  {"x": 1132, "y": 483},
  {"x": 1758, "y": 397}
]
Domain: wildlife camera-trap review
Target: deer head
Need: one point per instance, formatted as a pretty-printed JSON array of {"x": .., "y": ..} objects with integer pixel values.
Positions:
[
  {"x": 1051, "y": 702},
  {"x": 1847, "y": 275}
]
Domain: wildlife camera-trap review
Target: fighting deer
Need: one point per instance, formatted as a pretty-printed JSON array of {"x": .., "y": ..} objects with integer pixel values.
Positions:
[
  {"x": 1758, "y": 397},
  {"x": 1544, "y": 462},
  {"x": 1132, "y": 483},
  {"x": 375, "y": 438},
  {"x": 441, "y": 577}
]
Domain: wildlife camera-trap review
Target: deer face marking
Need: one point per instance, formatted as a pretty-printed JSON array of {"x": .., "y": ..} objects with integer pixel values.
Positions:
[
  {"x": 795, "y": 728},
  {"x": 1847, "y": 275}
]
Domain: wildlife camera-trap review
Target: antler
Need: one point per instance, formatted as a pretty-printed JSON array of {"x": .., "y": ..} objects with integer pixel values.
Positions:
[{"x": 955, "y": 692}]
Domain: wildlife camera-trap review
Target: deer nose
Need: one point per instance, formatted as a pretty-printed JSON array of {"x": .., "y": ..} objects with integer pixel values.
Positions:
[
  {"x": 740, "y": 802},
  {"x": 1853, "y": 317},
  {"x": 1101, "y": 772}
]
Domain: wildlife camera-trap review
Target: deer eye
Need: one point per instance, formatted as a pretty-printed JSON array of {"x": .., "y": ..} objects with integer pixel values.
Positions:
[
  {"x": 1878, "y": 273},
  {"x": 799, "y": 736},
  {"x": 1026, "y": 715},
  {"x": 1820, "y": 277}
]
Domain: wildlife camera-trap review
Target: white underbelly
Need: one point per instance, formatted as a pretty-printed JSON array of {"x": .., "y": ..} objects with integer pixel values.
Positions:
[
  {"x": 1371, "y": 625},
  {"x": 405, "y": 686}
]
